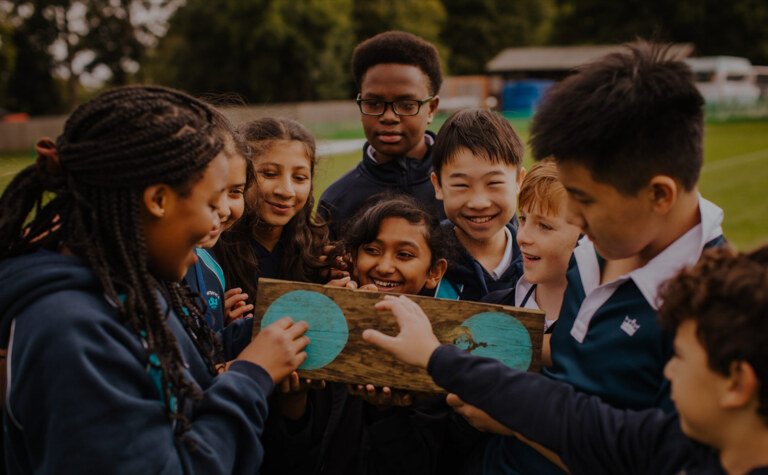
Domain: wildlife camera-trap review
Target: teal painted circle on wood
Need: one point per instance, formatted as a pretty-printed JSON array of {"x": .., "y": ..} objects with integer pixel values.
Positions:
[
  {"x": 496, "y": 335},
  {"x": 328, "y": 331}
]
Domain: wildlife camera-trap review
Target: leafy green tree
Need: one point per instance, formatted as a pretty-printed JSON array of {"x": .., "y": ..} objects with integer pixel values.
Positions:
[
  {"x": 31, "y": 86},
  {"x": 477, "y": 30},
  {"x": 7, "y": 60},
  {"x": 425, "y": 18},
  {"x": 736, "y": 27},
  {"x": 264, "y": 50},
  {"x": 71, "y": 37}
]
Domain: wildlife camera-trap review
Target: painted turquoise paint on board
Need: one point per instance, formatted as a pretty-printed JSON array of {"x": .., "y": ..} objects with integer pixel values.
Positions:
[
  {"x": 328, "y": 331},
  {"x": 499, "y": 336}
]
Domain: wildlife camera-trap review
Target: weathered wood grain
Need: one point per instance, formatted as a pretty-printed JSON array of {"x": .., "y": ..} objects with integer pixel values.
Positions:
[{"x": 485, "y": 329}]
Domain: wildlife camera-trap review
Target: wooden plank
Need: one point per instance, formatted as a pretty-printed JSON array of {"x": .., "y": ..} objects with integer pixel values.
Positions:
[{"x": 338, "y": 316}]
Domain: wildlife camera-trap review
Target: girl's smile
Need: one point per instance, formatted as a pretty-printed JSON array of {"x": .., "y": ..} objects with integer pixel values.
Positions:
[
  {"x": 398, "y": 260},
  {"x": 283, "y": 182}
]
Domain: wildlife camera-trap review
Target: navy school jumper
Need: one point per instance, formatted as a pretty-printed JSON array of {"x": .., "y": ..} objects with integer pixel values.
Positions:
[
  {"x": 206, "y": 279},
  {"x": 81, "y": 394},
  {"x": 410, "y": 176},
  {"x": 590, "y": 436},
  {"x": 342, "y": 434},
  {"x": 616, "y": 351},
  {"x": 467, "y": 279}
]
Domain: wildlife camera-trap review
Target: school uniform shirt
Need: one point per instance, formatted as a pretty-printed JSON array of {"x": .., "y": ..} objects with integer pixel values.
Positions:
[
  {"x": 590, "y": 436},
  {"x": 410, "y": 176},
  {"x": 342, "y": 434},
  {"x": 270, "y": 262},
  {"x": 206, "y": 278},
  {"x": 607, "y": 341},
  {"x": 508, "y": 455},
  {"x": 467, "y": 279},
  {"x": 82, "y": 393}
]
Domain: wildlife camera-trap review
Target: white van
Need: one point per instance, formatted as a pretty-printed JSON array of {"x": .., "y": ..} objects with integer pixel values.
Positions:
[{"x": 725, "y": 79}]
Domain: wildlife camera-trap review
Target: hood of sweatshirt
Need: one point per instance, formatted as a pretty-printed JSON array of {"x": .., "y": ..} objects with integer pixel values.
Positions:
[
  {"x": 464, "y": 269},
  {"x": 27, "y": 278}
]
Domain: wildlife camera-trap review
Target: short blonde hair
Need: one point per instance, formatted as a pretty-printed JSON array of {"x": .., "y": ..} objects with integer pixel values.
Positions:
[{"x": 541, "y": 191}]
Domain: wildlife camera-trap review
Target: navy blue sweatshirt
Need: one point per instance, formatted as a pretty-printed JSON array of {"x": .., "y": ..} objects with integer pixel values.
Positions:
[
  {"x": 342, "y": 434},
  {"x": 79, "y": 395},
  {"x": 344, "y": 198},
  {"x": 206, "y": 278},
  {"x": 467, "y": 279},
  {"x": 590, "y": 436}
]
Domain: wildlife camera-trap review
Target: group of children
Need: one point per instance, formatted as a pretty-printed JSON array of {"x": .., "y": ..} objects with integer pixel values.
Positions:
[{"x": 133, "y": 246}]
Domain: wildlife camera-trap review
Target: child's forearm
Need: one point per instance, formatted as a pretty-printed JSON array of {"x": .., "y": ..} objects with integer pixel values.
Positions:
[{"x": 590, "y": 436}]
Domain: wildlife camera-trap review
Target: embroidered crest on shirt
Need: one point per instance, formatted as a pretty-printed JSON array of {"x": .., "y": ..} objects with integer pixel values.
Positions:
[
  {"x": 630, "y": 326},
  {"x": 213, "y": 299}
]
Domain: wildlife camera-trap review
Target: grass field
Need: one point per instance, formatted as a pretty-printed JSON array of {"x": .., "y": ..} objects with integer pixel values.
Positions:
[{"x": 735, "y": 174}]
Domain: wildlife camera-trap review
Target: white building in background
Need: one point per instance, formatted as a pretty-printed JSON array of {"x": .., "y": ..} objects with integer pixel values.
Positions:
[{"x": 725, "y": 80}]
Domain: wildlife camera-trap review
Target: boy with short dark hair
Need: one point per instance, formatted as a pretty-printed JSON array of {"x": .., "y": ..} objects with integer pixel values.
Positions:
[
  {"x": 626, "y": 135},
  {"x": 477, "y": 161},
  {"x": 398, "y": 76},
  {"x": 719, "y": 378}
]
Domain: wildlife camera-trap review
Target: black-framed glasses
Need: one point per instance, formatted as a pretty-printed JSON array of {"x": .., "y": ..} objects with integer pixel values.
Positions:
[{"x": 403, "y": 107}]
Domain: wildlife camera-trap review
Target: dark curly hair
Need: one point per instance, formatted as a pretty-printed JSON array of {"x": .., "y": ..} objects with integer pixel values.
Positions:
[
  {"x": 626, "y": 117},
  {"x": 85, "y": 192},
  {"x": 726, "y": 294},
  {"x": 397, "y": 47},
  {"x": 305, "y": 235}
]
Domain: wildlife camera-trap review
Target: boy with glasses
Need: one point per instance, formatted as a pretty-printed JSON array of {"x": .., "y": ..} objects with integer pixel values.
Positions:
[{"x": 398, "y": 76}]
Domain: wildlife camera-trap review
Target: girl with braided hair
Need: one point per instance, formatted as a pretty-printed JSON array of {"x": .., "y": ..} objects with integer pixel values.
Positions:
[{"x": 110, "y": 365}]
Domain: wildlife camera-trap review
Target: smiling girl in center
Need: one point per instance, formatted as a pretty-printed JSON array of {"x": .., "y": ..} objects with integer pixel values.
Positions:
[{"x": 396, "y": 246}]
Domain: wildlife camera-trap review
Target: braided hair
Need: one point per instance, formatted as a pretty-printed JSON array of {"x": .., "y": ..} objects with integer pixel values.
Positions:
[{"x": 85, "y": 195}]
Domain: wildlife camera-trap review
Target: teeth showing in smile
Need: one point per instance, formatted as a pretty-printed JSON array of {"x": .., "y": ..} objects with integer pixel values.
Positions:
[
  {"x": 479, "y": 219},
  {"x": 531, "y": 257},
  {"x": 381, "y": 283}
]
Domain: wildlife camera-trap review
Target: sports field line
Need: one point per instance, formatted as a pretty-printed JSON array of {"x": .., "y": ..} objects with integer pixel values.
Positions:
[{"x": 735, "y": 160}]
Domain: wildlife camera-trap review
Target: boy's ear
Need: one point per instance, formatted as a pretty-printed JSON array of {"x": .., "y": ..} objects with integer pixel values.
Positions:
[
  {"x": 436, "y": 273},
  {"x": 663, "y": 192},
  {"x": 520, "y": 177},
  {"x": 742, "y": 386},
  {"x": 156, "y": 199},
  {"x": 432, "y": 109},
  {"x": 436, "y": 185}
]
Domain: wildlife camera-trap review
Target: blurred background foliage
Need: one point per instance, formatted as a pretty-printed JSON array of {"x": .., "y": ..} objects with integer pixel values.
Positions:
[{"x": 56, "y": 53}]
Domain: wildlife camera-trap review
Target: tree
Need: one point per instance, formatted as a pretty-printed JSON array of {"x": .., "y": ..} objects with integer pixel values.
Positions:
[
  {"x": 72, "y": 37},
  {"x": 425, "y": 18},
  {"x": 31, "y": 86},
  {"x": 736, "y": 27},
  {"x": 477, "y": 30},
  {"x": 7, "y": 60},
  {"x": 264, "y": 50}
]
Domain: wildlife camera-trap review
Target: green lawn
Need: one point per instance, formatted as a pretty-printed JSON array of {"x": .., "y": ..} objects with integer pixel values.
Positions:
[{"x": 735, "y": 174}]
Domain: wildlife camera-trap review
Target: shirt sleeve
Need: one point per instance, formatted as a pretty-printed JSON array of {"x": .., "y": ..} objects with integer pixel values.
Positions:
[
  {"x": 589, "y": 435},
  {"x": 80, "y": 400}
]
